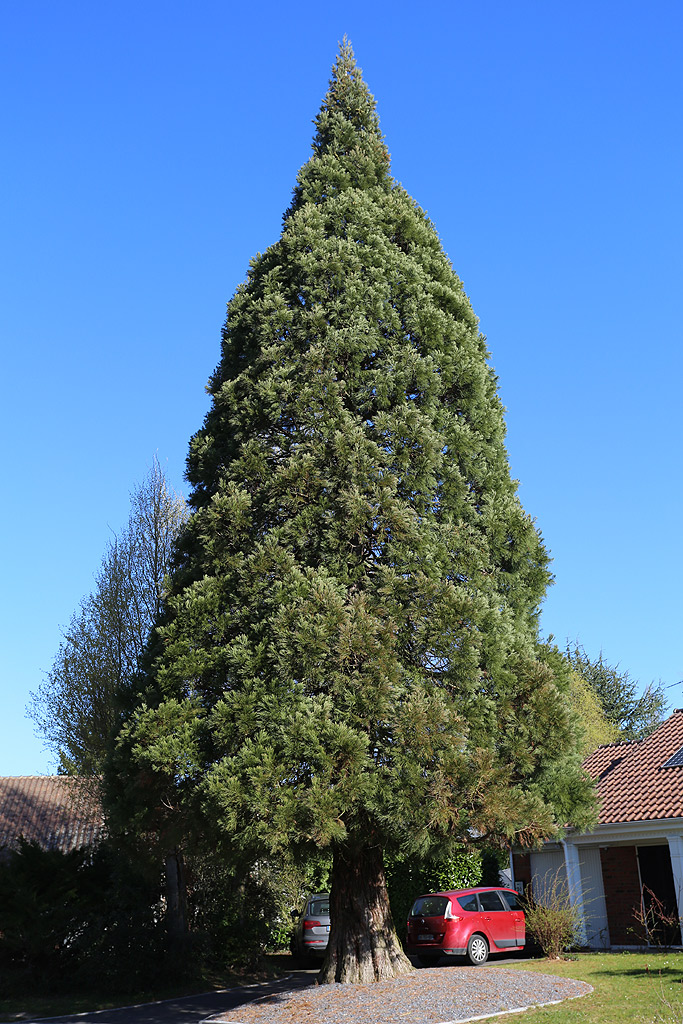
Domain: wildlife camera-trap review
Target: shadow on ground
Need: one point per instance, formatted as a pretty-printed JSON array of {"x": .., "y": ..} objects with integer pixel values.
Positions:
[{"x": 189, "y": 1009}]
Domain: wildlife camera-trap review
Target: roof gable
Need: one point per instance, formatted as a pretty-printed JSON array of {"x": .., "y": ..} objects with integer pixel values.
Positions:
[
  {"x": 55, "y": 811},
  {"x": 632, "y": 781}
]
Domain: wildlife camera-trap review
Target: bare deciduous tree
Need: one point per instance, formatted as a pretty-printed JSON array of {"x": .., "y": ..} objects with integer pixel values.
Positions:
[{"x": 75, "y": 706}]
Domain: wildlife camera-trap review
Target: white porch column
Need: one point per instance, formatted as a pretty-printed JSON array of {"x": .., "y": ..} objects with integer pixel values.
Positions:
[
  {"x": 676, "y": 853},
  {"x": 571, "y": 860}
]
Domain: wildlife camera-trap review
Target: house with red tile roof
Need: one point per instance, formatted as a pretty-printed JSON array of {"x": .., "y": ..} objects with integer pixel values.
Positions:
[
  {"x": 55, "y": 811},
  {"x": 632, "y": 860}
]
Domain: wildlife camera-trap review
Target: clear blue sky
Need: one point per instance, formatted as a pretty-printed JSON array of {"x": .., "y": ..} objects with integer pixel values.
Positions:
[{"x": 150, "y": 149}]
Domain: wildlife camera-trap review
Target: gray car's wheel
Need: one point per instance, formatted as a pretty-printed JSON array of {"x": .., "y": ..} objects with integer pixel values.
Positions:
[{"x": 477, "y": 950}]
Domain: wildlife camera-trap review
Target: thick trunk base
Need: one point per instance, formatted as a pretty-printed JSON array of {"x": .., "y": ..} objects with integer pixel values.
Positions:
[{"x": 363, "y": 945}]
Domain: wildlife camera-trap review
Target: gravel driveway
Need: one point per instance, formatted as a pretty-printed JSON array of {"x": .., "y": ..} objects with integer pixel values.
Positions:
[{"x": 437, "y": 996}]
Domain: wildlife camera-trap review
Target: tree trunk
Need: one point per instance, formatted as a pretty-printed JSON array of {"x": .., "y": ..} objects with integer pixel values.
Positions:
[
  {"x": 176, "y": 900},
  {"x": 363, "y": 945}
]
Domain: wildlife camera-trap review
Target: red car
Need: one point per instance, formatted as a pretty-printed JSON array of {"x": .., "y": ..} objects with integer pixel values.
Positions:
[{"x": 465, "y": 922}]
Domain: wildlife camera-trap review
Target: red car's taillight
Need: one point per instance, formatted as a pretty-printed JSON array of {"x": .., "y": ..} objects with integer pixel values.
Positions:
[{"x": 448, "y": 913}]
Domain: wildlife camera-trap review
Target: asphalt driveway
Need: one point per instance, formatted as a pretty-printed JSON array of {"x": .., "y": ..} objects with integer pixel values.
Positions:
[{"x": 188, "y": 1009}]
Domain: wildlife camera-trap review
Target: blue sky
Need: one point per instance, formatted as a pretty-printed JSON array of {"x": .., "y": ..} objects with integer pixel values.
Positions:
[{"x": 150, "y": 150}]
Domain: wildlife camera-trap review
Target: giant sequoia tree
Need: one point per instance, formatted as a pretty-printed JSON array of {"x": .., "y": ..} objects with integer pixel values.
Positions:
[{"x": 349, "y": 656}]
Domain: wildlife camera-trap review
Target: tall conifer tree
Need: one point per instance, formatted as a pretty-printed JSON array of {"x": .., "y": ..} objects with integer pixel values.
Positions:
[{"x": 349, "y": 657}]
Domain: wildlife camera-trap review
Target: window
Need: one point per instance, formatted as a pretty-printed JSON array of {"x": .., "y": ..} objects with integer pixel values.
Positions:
[
  {"x": 319, "y": 908},
  {"x": 512, "y": 900},
  {"x": 491, "y": 901},
  {"x": 469, "y": 902},
  {"x": 429, "y": 906}
]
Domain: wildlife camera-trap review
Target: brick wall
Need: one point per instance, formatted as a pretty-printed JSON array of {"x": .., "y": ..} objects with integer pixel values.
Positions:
[{"x": 622, "y": 894}]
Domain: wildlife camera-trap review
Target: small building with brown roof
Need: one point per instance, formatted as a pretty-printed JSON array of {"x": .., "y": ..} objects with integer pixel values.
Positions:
[
  {"x": 55, "y": 811},
  {"x": 626, "y": 875}
]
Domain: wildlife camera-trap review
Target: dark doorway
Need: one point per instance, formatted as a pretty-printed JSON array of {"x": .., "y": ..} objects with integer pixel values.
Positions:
[{"x": 659, "y": 896}]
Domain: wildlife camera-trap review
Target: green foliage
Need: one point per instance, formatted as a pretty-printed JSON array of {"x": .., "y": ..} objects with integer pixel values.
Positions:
[
  {"x": 76, "y": 920},
  {"x": 37, "y": 894},
  {"x": 75, "y": 708},
  {"x": 597, "y": 729},
  {"x": 493, "y": 861},
  {"x": 633, "y": 716},
  {"x": 352, "y": 621},
  {"x": 239, "y": 912},
  {"x": 408, "y": 878}
]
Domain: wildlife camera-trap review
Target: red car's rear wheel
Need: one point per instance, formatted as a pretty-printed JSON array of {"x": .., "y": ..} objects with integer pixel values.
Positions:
[{"x": 477, "y": 950}]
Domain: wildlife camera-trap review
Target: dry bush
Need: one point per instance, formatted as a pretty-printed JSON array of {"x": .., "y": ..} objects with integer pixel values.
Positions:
[
  {"x": 552, "y": 920},
  {"x": 657, "y": 924}
]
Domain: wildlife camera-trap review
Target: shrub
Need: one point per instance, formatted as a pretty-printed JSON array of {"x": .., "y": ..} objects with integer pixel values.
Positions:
[
  {"x": 238, "y": 912},
  {"x": 658, "y": 923},
  {"x": 80, "y": 918},
  {"x": 408, "y": 877},
  {"x": 552, "y": 920}
]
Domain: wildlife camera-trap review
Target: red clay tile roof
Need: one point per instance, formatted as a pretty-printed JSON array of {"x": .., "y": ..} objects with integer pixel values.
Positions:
[
  {"x": 632, "y": 784},
  {"x": 605, "y": 758},
  {"x": 57, "y": 812}
]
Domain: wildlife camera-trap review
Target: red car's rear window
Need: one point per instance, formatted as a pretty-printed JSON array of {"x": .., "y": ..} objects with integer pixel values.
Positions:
[{"x": 429, "y": 906}]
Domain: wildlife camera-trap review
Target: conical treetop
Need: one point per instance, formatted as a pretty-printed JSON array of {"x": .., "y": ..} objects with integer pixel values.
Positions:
[
  {"x": 348, "y": 97},
  {"x": 347, "y": 134}
]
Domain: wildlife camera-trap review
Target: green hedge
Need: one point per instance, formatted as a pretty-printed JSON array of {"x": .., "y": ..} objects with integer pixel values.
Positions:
[
  {"x": 79, "y": 919},
  {"x": 408, "y": 878}
]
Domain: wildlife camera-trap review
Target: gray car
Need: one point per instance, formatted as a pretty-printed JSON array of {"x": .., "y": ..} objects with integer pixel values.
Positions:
[{"x": 312, "y": 928}]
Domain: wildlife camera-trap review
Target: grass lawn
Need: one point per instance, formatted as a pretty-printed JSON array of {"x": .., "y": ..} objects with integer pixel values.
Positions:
[{"x": 639, "y": 988}]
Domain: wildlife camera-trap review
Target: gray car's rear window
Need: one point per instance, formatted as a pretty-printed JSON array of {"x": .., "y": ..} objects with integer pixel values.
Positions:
[
  {"x": 429, "y": 906},
  {"x": 319, "y": 908}
]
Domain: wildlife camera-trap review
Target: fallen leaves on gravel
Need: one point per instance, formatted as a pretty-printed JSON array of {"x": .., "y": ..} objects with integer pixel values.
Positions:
[{"x": 424, "y": 997}]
